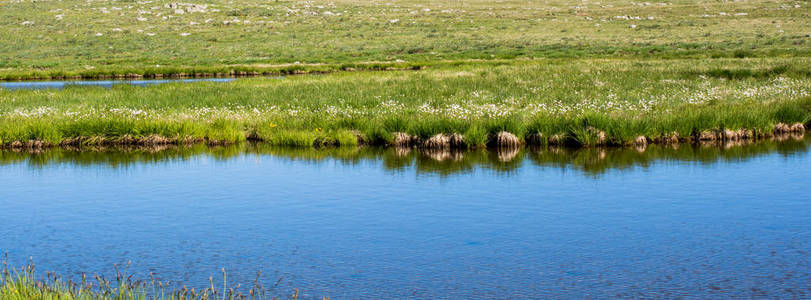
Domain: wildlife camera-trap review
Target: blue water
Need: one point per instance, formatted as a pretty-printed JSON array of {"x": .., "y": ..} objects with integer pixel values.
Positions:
[
  {"x": 35, "y": 85},
  {"x": 691, "y": 222}
]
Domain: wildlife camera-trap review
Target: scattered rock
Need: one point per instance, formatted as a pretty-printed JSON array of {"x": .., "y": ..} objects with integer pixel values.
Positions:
[
  {"x": 34, "y": 144},
  {"x": 641, "y": 141},
  {"x": 729, "y": 135},
  {"x": 781, "y": 128},
  {"x": 439, "y": 141},
  {"x": 797, "y": 128},
  {"x": 745, "y": 134},
  {"x": 324, "y": 142},
  {"x": 402, "y": 139},
  {"x": 154, "y": 140},
  {"x": 673, "y": 138},
  {"x": 507, "y": 140},
  {"x": 707, "y": 135},
  {"x": 445, "y": 141}
]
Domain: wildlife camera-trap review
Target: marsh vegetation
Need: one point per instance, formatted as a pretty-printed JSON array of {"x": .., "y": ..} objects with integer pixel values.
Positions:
[
  {"x": 560, "y": 102},
  {"x": 450, "y": 74}
]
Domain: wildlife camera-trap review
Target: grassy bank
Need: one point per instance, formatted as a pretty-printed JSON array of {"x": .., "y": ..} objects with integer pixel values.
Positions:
[
  {"x": 108, "y": 38},
  {"x": 574, "y": 102}
]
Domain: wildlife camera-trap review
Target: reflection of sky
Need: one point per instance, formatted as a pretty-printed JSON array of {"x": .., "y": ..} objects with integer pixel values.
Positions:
[
  {"x": 35, "y": 85},
  {"x": 349, "y": 230}
]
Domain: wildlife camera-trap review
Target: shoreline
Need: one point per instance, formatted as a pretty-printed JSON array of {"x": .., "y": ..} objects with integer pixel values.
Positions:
[
  {"x": 453, "y": 141},
  {"x": 231, "y": 73},
  {"x": 289, "y": 69},
  {"x": 242, "y": 71}
]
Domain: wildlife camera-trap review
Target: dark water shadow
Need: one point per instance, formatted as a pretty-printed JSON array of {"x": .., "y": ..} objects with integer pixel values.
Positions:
[{"x": 590, "y": 161}]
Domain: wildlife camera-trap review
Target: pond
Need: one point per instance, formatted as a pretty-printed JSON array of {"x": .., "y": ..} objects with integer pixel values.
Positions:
[
  {"x": 663, "y": 222},
  {"x": 36, "y": 85}
]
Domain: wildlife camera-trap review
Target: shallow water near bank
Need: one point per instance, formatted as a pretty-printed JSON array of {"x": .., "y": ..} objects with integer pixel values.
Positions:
[
  {"x": 697, "y": 221},
  {"x": 37, "y": 85}
]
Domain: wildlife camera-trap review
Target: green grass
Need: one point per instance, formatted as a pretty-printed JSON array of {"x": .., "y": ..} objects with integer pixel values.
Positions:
[
  {"x": 105, "y": 38},
  {"x": 570, "y": 98},
  {"x": 25, "y": 284}
]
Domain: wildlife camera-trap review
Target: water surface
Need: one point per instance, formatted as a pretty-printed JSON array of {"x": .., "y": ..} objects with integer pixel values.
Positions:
[
  {"x": 369, "y": 223},
  {"x": 61, "y": 84}
]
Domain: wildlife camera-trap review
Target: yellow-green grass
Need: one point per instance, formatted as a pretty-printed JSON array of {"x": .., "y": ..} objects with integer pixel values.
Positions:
[
  {"x": 26, "y": 284},
  {"x": 569, "y": 98},
  {"x": 103, "y": 38}
]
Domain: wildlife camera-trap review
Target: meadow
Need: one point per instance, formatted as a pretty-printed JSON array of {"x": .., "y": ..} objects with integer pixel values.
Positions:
[
  {"x": 77, "y": 38},
  {"x": 411, "y": 73}
]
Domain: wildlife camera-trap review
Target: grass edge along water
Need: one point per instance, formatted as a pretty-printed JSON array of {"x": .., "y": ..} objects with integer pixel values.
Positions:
[{"x": 24, "y": 284}]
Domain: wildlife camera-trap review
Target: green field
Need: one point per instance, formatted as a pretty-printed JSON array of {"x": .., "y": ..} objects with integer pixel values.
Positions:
[
  {"x": 91, "y": 38},
  {"x": 448, "y": 73}
]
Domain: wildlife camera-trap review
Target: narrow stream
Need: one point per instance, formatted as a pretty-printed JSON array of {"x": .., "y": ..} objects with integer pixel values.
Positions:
[{"x": 34, "y": 85}]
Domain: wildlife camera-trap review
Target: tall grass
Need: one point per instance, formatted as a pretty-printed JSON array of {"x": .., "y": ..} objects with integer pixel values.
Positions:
[
  {"x": 574, "y": 100},
  {"x": 24, "y": 284}
]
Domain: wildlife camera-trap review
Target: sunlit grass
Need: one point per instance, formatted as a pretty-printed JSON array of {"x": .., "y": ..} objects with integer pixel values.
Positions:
[
  {"x": 97, "y": 38},
  {"x": 25, "y": 284},
  {"x": 576, "y": 100}
]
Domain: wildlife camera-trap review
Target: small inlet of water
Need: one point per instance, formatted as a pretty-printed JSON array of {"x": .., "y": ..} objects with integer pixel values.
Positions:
[{"x": 36, "y": 85}]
